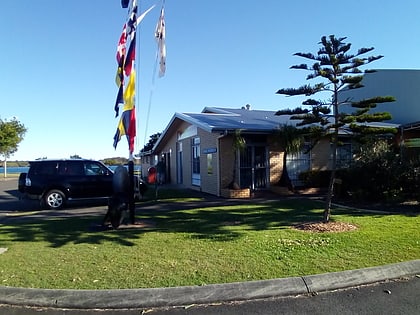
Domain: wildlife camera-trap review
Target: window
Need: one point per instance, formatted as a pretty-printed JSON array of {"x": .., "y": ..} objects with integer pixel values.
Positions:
[
  {"x": 209, "y": 164},
  {"x": 344, "y": 155},
  {"x": 94, "y": 169},
  {"x": 44, "y": 168},
  {"x": 74, "y": 168},
  {"x": 298, "y": 163},
  {"x": 195, "y": 149}
]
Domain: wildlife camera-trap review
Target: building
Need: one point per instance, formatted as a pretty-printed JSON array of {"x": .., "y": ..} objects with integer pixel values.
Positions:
[
  {"x": 197, "y": 148},
  {"x": 197, "y": 151}
]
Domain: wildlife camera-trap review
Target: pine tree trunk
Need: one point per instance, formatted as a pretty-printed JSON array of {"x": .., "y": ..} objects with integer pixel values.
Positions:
[{"x": 330, "y": 194}]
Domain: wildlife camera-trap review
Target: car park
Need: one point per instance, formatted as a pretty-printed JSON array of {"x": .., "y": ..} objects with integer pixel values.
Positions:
[{"x": 54, "y": 182}]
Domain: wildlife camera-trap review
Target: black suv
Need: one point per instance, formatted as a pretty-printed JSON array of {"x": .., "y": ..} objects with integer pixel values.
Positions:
[{"x": 56, "y": 181}]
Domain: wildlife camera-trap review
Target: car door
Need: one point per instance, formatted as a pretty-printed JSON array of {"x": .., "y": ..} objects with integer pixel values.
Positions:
[
  {"x": 72, "y": 175},
  {"x": 98, "y": 179}
]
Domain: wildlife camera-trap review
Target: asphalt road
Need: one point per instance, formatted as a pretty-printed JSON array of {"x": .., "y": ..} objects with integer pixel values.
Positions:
[{"x": 12, "y": 205}]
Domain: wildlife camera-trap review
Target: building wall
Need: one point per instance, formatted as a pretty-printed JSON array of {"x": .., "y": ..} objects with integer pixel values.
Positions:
[
  {"x": 209, "y": 162},
  {"x": 186, "y": 163},
  {"x": 275, "y": 155},
  {"x": 217, "y": 172},
  {"x": 226, "y": 161},
  {"x": 145, "y": 163},
  {"x": 169, "y": 150},
  {"x": 401, "y": 84},
  {"x": 321, "y": 154}
]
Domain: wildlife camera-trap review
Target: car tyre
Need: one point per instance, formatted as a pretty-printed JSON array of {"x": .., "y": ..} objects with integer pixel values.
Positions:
[
  {"x": 21, "y": 182},
  {"x": 54, "y": 199}
]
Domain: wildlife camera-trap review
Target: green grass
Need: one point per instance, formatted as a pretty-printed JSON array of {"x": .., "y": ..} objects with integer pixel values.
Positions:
[{"x": 200, "y": 246}]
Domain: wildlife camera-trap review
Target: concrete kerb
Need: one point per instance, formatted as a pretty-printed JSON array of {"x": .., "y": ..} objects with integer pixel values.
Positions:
[{"x": 176, "y": 296}]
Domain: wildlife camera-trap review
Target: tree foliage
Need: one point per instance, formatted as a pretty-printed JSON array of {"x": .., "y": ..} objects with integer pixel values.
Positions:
[
  {"x": 11, "y": 134},
  {"x": 238, "y": 146},
  {"x": 381, "y": 173},
  {"x": 291, "y": 139},
  {"x": 337, "y": 69},
  {"x": 152, "y": 140}
]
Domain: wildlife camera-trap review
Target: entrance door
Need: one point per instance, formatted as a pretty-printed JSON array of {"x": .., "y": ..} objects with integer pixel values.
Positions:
[{"x": 253, "y": 167}]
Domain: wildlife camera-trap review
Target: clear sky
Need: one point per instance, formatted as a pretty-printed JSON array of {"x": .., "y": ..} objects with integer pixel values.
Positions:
[{"x": 58, "y": 61}]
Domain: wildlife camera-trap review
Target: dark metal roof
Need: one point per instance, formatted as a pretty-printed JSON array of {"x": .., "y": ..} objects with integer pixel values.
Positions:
[
  {"x": 221, "y": 119},
  {"x": 218, "y": 119}
]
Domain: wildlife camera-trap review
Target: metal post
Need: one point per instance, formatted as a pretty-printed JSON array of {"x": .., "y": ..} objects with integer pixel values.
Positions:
[{"x": 131, "y": 203}]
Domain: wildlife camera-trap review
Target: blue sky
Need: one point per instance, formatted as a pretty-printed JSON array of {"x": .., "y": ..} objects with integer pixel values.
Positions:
[{"x": 58, "y": 61}]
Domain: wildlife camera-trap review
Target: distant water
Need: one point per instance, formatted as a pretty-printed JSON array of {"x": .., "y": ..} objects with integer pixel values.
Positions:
[{"x": 14, "y": 170}]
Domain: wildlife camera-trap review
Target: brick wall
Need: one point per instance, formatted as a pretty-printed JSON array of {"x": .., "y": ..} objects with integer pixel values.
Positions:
[
  {"x": 226, "y": 160},
  {"x": 275, "y": 155}
]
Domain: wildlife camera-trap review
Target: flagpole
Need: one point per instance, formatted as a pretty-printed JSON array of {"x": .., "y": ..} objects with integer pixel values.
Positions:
[
  {"x": 131, "y": 203},
  {"x": 129, "y": 95}
]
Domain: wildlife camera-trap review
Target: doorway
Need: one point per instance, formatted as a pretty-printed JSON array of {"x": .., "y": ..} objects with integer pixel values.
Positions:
[{"x": 253, "y": 167}]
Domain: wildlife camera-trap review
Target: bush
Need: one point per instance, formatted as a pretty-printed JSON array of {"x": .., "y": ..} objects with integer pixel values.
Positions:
[
  {"x": 315, "y": 178},
  {"x": 379, "y": 173}
]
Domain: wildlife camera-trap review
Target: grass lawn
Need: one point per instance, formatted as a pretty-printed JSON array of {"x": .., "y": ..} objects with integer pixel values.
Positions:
[{"x": 200, "y": 246}]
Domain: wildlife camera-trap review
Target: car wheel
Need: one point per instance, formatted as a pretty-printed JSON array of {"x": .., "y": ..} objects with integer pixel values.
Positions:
[
  {"x": 21, "y": 182},
  {"x": 54, "y": 199}
]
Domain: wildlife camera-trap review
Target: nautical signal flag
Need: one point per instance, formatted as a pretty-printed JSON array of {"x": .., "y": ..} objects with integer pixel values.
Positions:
[
  {"x": 121, "y": 44},
  {"x": 160, "y": 38},
  {"x": 119, "y": 100},
  {"x": 126, "y": 96},
  {"x": 119, "y": 78},
  {"x": 126, "y": 126},
  {"x": 130, "y": 92},
  {"x": 127, "y": 123},
  {"x": 131, "y": 56}
]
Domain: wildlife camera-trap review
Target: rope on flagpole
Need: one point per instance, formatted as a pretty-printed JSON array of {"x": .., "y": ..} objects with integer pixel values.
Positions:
[{"x": 152, "y": 88}]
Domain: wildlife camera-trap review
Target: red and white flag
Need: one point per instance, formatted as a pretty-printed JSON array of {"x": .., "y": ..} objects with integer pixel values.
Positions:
[{"x": 160, "y": 38}]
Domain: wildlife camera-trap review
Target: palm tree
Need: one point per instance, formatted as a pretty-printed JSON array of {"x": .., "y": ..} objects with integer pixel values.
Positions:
[
  {"x": 291, "y": 140},
  {"x": 239, "y": 144}
]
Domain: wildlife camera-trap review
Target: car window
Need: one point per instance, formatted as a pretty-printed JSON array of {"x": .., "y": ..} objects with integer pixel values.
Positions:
[
  {"x": 92, "y": 168},
  {"x": 74, "y": 169},
  {"x": 44, "y": 168}
]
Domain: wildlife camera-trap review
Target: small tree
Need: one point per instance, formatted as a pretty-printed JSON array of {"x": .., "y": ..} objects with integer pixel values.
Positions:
[
  {"x": 11, "y": 134},
  {"x": 238, "y": 146},
  {"x": 291, "y": 140},
  {"x": 338, "y": 70}
]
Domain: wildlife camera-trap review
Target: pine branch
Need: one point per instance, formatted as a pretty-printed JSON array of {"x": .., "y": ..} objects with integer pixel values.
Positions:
[
  {"x": 311, "y": 102},
  {"x": 352, "y": 80},
  {"x": 306, "y": 90},
  {"x": 294, "y": 111},
  {"x": 301, "y": 66},
  {"x": 371, "y": 102},
  {"x": 306, "y": 55},
  {"x": 367, "y": 130},
  {"x": 364, "y": 50},
  {"x": 374, "y": 117},
  {"x": 373, "y": 58}
]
